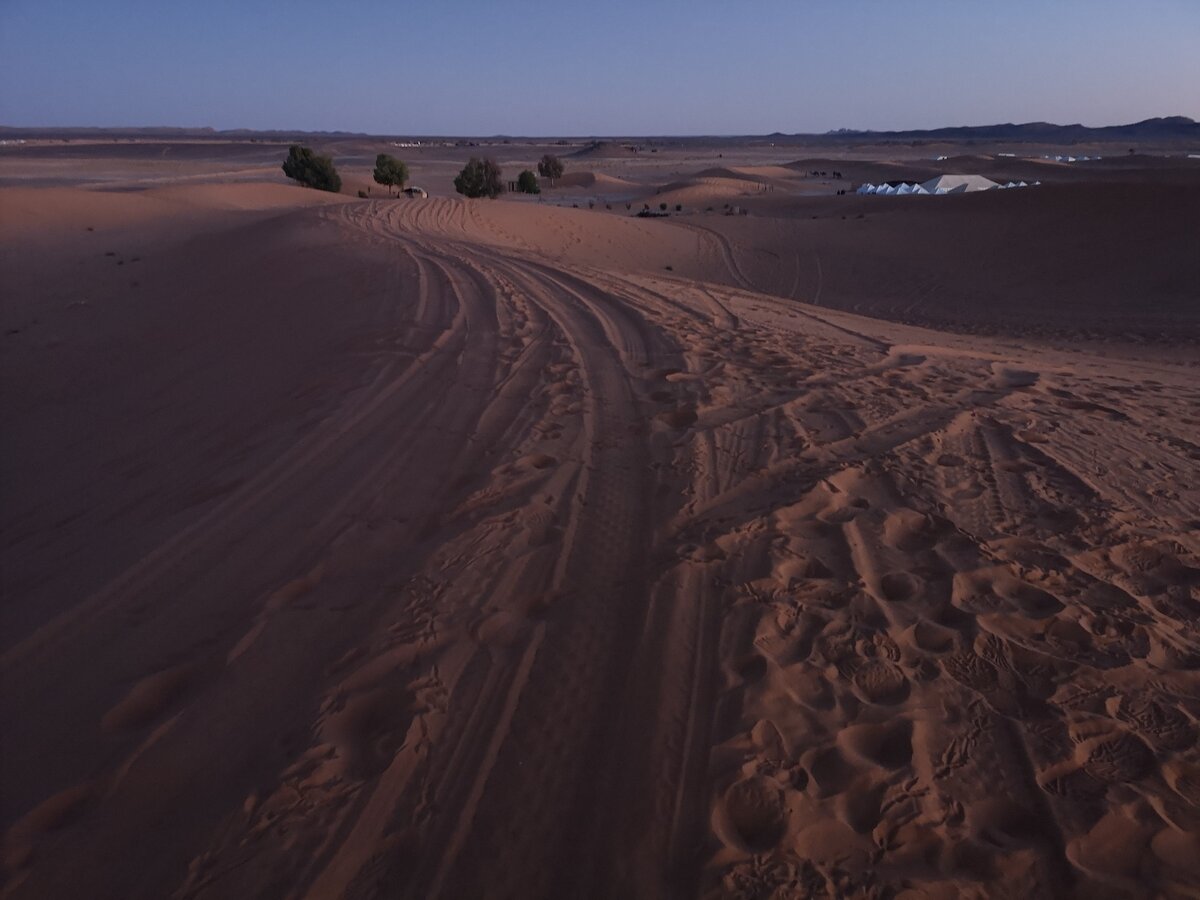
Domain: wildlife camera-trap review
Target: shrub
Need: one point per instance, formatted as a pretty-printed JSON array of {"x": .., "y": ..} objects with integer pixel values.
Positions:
[
  {"x": 362, "y": 195},
  {"x": 550, "y": 167},
  {"x": 310, "y": 170},
  {"x": 678, "y": 207},
  {"x": 527, "y": 183},
  {"x": 390, "y": 172},
  {"x": 663, "y": 207},
  {"x": 479, "y": 178}
]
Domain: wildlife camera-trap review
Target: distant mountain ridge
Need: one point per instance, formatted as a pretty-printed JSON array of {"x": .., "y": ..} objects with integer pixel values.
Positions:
[{"x": 1163, "y": 128}]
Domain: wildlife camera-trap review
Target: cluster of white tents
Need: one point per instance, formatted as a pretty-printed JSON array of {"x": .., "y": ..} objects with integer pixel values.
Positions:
[
  {"x": 1071, "y": 158},
  {"x": 942, "y": 184}
]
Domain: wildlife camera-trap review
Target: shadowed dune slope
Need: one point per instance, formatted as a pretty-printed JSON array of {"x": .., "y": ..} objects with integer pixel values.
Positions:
[{"x": 1108, "y": 258}]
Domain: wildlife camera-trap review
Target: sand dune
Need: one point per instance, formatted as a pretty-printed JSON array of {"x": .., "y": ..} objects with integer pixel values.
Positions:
[
  {"x": 760, "y": 174},
  {"x": 703, "y": 191},
  {"x": 1072, "y": 259},
  {"x": 27, "y": 212},
  {"x": 464, "y": 549},
  {"x": 597, "y": 181}
]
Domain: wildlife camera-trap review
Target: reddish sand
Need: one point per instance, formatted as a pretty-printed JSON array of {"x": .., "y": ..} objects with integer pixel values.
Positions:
[{"x": 471, "y": 549}]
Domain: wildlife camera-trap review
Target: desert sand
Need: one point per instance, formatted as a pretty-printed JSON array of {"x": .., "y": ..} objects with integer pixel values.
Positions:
[{"x": 471, "y": 549}]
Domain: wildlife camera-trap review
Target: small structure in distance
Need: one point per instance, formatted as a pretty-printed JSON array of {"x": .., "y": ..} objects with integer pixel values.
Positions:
[{"x": 942, "y": 184}]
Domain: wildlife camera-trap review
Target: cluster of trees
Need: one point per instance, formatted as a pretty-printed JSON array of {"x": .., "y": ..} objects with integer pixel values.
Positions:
[
  {"x": 306, "y": 167},
  {"x": 483, "y": 178},
  {"x": 310, "y": 170},
  {"x": 478, "y": 178}
]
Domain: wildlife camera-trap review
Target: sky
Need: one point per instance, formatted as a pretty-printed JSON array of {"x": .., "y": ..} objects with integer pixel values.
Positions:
[{"x": 623, "y": 67}]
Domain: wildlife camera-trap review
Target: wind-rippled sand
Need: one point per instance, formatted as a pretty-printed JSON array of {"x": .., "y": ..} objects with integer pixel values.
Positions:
[{"x": 453, "y": 549}]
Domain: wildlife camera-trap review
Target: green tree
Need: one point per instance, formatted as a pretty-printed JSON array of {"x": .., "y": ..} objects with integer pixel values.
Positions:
[
  {"x": 479, "y": 178},
  {"x": 310, "y": 170},
  {"x": 527, "y": 183},
  {"x": 390, "y": 171},
  {"x": 550, "y": 167}
]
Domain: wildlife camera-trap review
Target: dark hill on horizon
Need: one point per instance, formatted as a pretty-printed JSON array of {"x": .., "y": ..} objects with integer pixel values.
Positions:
[{"x": 1168, "y": 128}]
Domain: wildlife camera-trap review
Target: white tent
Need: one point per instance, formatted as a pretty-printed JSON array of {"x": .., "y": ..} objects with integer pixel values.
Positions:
[
  {"x": 943, "y": 184},
  {"x": 959, "y": 184}
]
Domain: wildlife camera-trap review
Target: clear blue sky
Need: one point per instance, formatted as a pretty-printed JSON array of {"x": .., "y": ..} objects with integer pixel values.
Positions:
[{"x": 475, "y": 67}]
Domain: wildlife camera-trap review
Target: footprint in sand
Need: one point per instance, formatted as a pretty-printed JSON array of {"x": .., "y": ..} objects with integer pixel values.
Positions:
[
  {"x": 53, "y": 813},
  {"x": 830, "y": 773},
  {"x": 680, "y": 418},
  {"x": 147, "y": 699},
  {"x": 900, "y": 587},
  {"x": 367, "y": 729},
  {"x": 888, "y": 745},
  {"x": 1119, "y": 758},
  {"x": 860, "y": 807},
  {"x": 971, "y": 671},
  {"x": 1031, "y": 601},
  {"x": 881, "y": 683},
  {"x": 930, "y": 637},
  {"x": 752, "y": 815},
  {"x": 1184, "y": 779},
  {"x": 909, "y": 530},
  {"x": 1164, "y": 726},
  {"x": 1002, "y": 823}
]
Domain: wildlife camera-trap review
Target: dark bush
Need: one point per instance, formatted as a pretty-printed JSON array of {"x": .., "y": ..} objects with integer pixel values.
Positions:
[
  {"x": 678, "y": 207},
  {"x": 480, "y": 178},
  {"x": 663, "y": 207},
  {"x": 390, "y": 172},
  {"x": 527, "y": 183},
  {"x": 310, "y": 170}
]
